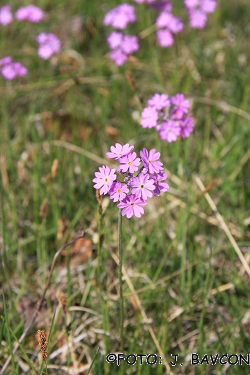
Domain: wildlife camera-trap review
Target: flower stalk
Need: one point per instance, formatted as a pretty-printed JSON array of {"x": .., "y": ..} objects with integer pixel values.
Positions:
[{"x": 120, "y": 278}]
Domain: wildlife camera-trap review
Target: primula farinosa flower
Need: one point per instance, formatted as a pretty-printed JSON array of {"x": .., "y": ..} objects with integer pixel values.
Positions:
[
  {"x": 132, "y": 206},
  {"x": 118, "y": 57},
  {"x": 198, "y": 19},
  {"x": 159, "y": 101},
  {"x": 48, "y": 45},
  {"x": 149, "y": 117},
  {"x": 118, "y": 151},
  {"x": 151, "y": 160},
  {"x": 129, "y": 163},
  {"x": 198, "y": 10},
  {"x": 5, "y": 60},
  {"x": 168, "y": 25},
  {"x": 10, "y": 69},
  {"x": 169, "y": 131},
  {"x": 122, "y": 46},
  {"x": 130, "y": 44},
  {"x": 169, "y": 116},
  {"x": 118, "y": 191},
  {"x": 165, "y": 38},
  {"x": 104, "y": 179},
  {"x": 115, "y": 39},
  {"x": 170, "y": 22},
  {"x": 159, "y": 184},
  {"x": 208, "y": 6},
  {"x": 181, "y": 106},
  {"x": 187, "y": 126},
  {"x": 120, "y": 16},
  {"x": 141, "y": 178},
  {"x": 142, "y": 186},
  {"x": 5, "y": 15},
  {"x": 29, "y": 13}
]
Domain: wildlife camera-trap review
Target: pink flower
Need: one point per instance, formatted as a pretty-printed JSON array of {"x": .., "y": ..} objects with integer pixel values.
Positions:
[
  {"x": 175, "y": 25},
  {"x": 5, "y": 60},
  {"x": 198, "y": 19},
  {"x": 151, "y": 160},
  {"x": 180, "y": 102},
  {"x": 187, "y": 126},
  {"x": 121, "y": 46},
  {"x": 142, "y": 185},
  {"x": 29, "y": 13},
  {"x": 118, "y": 56},
  {"x": 198, "y": 10},
  {"x": 129, "y": 163},
  {"x": 115, "y": 39},
  {"x": 104, "y": 179},
  {"x": 165, "y": 38},
  {"x": 132, "y": 206},
  {"x": 48, "y": 45},
  {"x": 164, "y": 19},
  {"x": 190, "y": 4},
  {"x": 5, "y": 15},
  {"x": 118, "y": 191},
  {"x": 169, "y": 131},
  {"x": 12, "y": 70},
  {"x": 130, "y": 44},
  {"x": 208, "y": 6},
  {"x": 159, "y": 185},
  {"x": 119, "y": 151},
  {"x": 159, "y": 101},
  {"x": 149, "y": 117},
  {"x": 120, "y": 16},
  {"x": 170, "y": 22}
]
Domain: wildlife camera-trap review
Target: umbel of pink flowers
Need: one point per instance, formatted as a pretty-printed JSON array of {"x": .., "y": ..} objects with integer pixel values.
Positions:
[
  {"x": 121, "y": 45},
  {"x": 169, "y": 116},
  {"x": 140, "y": 178},
  {"x": 167, "y": 24}
]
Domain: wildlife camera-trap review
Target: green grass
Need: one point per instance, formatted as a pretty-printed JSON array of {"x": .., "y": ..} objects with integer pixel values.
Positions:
[{"x": 192, "y": 287}]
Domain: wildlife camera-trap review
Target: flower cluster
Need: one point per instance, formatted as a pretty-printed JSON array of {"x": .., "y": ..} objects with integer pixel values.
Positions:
[
  {"x": 29, "y": 13},
  {"x": 141, "y": 178},
  {"x": 169, "y": 116},
  {"x": 48, "y": 45},
  {"x": 121, "y": 45},
  {"x": 198, "y": 10},
  {"x": 120, "y": 16},
  {"x": 10, "y": 69},
  {"x": 168, "y": 26}
]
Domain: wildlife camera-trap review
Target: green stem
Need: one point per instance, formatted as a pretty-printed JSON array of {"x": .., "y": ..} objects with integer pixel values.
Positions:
[
  {"x": 99, "y": 246},
  {"x": 99, "y": 284},
  {"x": 120, "y": 278}
]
